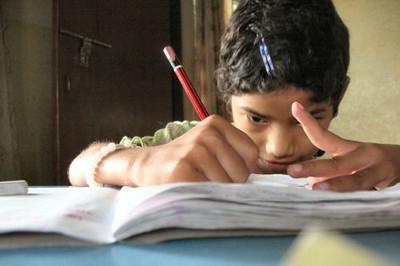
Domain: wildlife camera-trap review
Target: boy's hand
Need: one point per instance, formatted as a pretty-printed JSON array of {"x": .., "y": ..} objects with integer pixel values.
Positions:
[
  {"x": 354, "y": 165},
  {"x": 213, "y": 150}
]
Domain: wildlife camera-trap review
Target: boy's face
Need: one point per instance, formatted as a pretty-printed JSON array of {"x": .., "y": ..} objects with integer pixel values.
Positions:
[{"x": 268, "y": 120}]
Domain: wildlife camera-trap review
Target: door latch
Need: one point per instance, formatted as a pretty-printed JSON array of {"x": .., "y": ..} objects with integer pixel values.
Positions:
[{"x": 86, "y": 48}]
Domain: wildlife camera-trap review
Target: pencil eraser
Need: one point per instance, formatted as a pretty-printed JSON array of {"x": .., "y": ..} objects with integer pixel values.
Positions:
[
  {"x": 15, "y": 187},
  {"x": 169, "y": 53}
]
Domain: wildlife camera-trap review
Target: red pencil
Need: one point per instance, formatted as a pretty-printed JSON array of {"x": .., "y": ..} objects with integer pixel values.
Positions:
[{"x": 186, "y": 83}]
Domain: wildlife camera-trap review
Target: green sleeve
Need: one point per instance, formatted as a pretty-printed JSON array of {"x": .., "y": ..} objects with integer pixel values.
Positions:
[{"x": 164, "y": 135}]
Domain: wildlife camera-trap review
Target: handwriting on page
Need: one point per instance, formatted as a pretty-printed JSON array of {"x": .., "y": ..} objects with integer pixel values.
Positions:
[{"x": 271, "y": 203}]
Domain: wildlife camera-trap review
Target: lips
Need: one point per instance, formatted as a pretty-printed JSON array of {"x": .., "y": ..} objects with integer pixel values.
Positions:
[{"x": 274, "y": 166}]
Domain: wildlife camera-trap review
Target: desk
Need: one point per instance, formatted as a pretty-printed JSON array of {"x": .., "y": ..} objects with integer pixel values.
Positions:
[{"x": 219, "y": 251}]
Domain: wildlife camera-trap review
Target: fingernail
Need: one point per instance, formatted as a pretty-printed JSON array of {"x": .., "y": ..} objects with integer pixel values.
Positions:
[
  {"x": 299, "y": 105},
  {"x": 321, "y": 186},
  {"x": 296, "y": 168}
]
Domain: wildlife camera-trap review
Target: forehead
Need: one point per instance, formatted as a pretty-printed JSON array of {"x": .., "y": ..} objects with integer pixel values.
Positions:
[{"x": 277, "y": 101}]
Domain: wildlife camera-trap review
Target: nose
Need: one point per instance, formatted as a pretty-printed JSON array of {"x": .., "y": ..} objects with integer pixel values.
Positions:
[{"x": 280, "y": 142}]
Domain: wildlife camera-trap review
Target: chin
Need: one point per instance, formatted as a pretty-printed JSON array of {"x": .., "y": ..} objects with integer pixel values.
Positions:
[{"x": 268, "y": 171}]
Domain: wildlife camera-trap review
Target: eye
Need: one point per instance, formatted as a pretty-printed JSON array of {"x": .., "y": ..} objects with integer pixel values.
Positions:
[
  {"x": 256, "y": 119},
  {"x": 318, "y": 118}
]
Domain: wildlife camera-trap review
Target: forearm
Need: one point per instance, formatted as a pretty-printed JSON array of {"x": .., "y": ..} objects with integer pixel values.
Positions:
[
  {"x": 112, "y": 169},
  {"x": 214, "y": 151}
]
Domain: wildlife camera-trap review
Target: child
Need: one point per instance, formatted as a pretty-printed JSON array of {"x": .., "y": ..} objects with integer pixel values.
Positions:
[{"x": 273, "y": 53}]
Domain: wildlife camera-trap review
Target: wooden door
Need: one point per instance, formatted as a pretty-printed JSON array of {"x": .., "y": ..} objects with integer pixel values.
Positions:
[{"x": 117, "y": 81}]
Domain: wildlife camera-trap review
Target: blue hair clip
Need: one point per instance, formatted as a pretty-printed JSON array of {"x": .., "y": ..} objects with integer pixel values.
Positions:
[{"x": 269, "y": 67}]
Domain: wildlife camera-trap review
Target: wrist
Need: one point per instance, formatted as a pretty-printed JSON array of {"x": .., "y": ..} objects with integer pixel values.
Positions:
[{"x": 92, "y": 178}]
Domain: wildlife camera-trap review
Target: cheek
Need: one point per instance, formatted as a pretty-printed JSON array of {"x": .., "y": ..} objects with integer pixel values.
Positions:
[
  {"x": 304, "y": 146},
  {"x": 326, "y": 122},
  {"x": 307, "y": 148},
  {"x": 256, "y": 136},
  {"x": 241, "y": 123}
]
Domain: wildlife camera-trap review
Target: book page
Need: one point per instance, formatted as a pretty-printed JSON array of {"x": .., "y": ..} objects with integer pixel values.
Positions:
[
  {"x": 83, "y": 213},
  {"x": 274, "y": 203},
  {"x": 277, "y": 180},
  {"x": 263, "y": 203}
]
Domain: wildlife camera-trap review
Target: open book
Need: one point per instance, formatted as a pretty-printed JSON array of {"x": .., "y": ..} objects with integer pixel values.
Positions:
[{"x": 273, "y": 203}]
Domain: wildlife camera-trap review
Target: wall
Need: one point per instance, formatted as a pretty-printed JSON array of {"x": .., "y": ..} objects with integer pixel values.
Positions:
[
  {"x": 188, "y": 51},
  {"x": 28, "y": 42},
  {"x": 370, "y": 110}
]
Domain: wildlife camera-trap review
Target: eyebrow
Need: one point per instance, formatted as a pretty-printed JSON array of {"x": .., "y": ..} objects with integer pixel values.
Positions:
[{"x": 249, "y": 110}]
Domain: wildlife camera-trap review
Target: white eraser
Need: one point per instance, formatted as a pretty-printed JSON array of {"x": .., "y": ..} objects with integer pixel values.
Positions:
[{"x": 15, "y": 187}]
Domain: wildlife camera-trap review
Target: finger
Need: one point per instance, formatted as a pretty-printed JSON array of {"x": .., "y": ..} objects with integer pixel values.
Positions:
[
  {"x": 199, "y": 162},
  {"x": 237, "y": 140},
  {"x": 212, "y": 167},
  {"x": 335, "y": 166},
  {"x": 387, "y": 183},
  {"x": 219, "y": 161},
  {"x": 314, "y": 180},
  {"x": 171, "y": 174},
  {"x": 362, "y": 180},
  {"x": 163, "y": 165},
  {"x": 226, "y": 168},
  {"x": 233, "y": 164},
  {"x": 319, "y": 136},
  {"x": 338, "y": 184}
]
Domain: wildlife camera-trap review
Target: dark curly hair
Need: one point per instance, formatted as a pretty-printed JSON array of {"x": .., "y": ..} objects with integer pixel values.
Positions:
[{"x": 307, "y": 41}]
